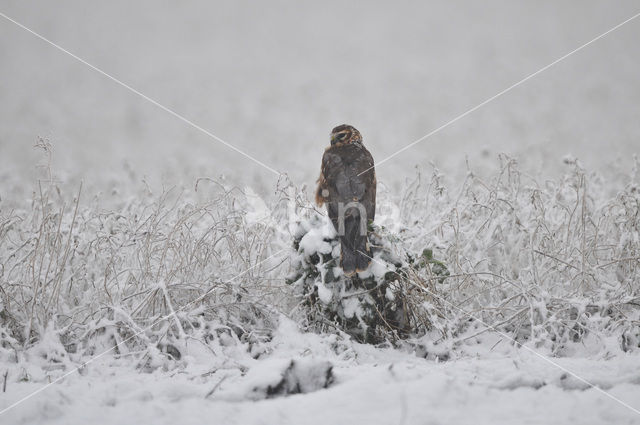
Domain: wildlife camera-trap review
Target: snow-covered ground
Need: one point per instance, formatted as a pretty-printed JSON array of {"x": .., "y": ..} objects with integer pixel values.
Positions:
[
  {"x": 369, "y": 385},
  {"x": 272, "y": 78}
]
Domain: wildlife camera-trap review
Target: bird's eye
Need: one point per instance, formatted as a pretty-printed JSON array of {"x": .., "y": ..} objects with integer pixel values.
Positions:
[{"x": 342, "y": 136}]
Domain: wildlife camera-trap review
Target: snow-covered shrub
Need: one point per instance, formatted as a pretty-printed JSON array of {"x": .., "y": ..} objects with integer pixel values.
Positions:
[
  {"x": 373, "y": 306},
  {"x": 358, "y": 305}
]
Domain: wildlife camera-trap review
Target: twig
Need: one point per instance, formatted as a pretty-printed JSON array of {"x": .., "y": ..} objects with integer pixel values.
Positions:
[
  {"x": 557, "y": 259},
  {"x": 602, "y": 266},
  {"x": 215, "y": 388}
]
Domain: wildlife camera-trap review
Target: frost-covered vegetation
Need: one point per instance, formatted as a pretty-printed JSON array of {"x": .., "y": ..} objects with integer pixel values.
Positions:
[{"x": 548, "y": 263}]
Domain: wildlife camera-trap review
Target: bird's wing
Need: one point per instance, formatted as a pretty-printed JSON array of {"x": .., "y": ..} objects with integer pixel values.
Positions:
[
  {"x": 332, "y": 168},
  {"x": 330, "y": 163},
  {"x": 367, "y": 176}
]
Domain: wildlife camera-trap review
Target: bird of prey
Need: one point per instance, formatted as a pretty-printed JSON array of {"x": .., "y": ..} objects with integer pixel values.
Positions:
[{"x": 347, "y": 184}]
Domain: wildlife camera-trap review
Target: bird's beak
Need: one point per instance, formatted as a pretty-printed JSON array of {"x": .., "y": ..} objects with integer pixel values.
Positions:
[{"x": 334, "y": 137}]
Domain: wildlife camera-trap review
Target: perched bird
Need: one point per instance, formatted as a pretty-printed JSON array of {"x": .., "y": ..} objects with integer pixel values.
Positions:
[{"x": 347, "y": 184}]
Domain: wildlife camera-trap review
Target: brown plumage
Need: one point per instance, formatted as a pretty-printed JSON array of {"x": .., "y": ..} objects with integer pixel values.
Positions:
[{"x": 347, "y": 184}]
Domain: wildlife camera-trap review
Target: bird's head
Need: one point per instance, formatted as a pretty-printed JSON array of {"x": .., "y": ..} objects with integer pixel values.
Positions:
[{"x": 345, "y": 134}]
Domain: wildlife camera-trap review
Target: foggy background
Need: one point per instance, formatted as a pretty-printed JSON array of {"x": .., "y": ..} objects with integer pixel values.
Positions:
[{"x": 273, "y": 78}]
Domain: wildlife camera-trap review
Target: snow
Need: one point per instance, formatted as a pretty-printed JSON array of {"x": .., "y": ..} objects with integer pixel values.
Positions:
[
  {"x": 258, "y": 211},
  {"x": 324, "y": 293},
  {"x": 314, "y": 240},
  {"x": 369, "y": 385},
  {"x": 352, "y": 307}
]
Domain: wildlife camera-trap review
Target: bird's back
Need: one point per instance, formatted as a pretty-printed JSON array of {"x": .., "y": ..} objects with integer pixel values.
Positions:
[{"x": 345, "y": 165}]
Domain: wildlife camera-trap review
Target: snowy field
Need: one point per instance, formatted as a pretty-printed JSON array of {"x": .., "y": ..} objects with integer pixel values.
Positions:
[
  {"x": 146, "y": 269},
  {"x": 371, "y": 385}
]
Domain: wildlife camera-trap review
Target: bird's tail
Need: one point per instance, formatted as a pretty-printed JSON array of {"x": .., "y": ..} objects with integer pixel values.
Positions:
[{"x": 355, "y": 248}]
